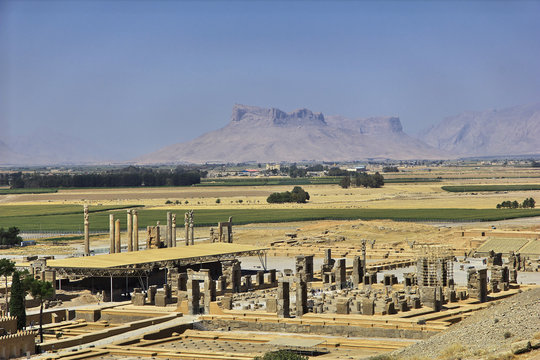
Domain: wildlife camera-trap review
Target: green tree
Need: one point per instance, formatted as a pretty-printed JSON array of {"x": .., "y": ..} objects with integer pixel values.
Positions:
[
  {"x": 282, "y": 355},
  {"x": 345, "y": 182},
  {"x": 7, "y": 267},
  {"x": 17, "y": 306},
  {"x": 41, "y": 291}
]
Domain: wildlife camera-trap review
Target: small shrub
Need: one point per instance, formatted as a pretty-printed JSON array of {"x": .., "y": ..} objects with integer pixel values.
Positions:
[
  {"x": 452, "y": 351},
  {"x": 168, "y": 202},
  {"x": 186, "y": 202},
  {"x": 218, "y": 201},
  {"x": 507, "y": 335}
]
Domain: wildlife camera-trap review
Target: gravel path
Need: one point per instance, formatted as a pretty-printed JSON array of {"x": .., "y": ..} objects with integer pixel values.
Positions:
[{"x": 490, "y": 330}]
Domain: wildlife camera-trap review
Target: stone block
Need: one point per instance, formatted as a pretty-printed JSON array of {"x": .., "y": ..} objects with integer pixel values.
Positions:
[
  {"x": 161, "y": 298},
  {"x": 271, "y": 305}
]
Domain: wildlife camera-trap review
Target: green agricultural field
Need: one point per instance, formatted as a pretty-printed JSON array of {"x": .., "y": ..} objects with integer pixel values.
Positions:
[
  {"x": 36, "y": 211},
  {"x": 27, "y": 191},
  {"x": 480, "y": 188},
  {"x": 65, "y": 219}
]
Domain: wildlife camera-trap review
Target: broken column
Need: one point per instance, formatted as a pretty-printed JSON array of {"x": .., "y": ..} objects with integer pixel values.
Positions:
[
  {"x": 135, "y": 230},
  {"x": 86, "y": 232},
  {"x": 186, "y": 225},
  {"x": 174, "y": 230},
  {"x": 129, "y": 231},
  {"x": 283, "y": 300},
  {"x": 192, "y": 227},
  {"x": 111, "y": 234},
  {"x": 117, "y": 239}
]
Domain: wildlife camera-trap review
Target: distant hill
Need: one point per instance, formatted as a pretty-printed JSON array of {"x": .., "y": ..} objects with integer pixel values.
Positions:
[
  {"x": 271, "y": 135},
  {"x": 510, "y": 131},
  {"x": 10, "y": 157}
]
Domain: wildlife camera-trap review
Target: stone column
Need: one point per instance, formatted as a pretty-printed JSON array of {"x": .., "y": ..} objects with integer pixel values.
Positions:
[
  {"x": 168, "y": 235},
  {"x": 86, "y": 232},
  {"x": 111, "y": 234},
  {"x": 229, "y": 231},
  {"x": 135, "y": 230},
  {"x": 117, "y": 239},
  {"x": 192, "y": 227},
  {"x": 186, "y": 225},
  {"x": 301, "y": 296},
  {"x": 129, "y": 231},
  {"x": 283, "y": 300},
  {"x": 173, "y": 241},
  {"x": 364, "y": 269}
]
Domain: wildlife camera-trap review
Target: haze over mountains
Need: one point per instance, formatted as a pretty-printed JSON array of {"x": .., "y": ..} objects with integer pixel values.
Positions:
[
  {"x": 272, "y": 135},
  {"x": 510, "y": 131}
]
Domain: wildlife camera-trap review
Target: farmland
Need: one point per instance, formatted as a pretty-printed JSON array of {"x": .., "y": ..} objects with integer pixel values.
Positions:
[
  {"x": 415, "y": 194},
  {"x": 478, "y": 188},
  {"x": 70, "y": 218}
]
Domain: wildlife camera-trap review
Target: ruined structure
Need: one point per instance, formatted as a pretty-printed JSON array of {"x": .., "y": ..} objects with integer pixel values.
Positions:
[{"x": 225, "y": 225}]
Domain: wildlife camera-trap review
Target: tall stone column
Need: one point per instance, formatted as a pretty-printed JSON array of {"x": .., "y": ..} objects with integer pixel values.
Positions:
[
  {"x": 129, "y": 231},
  {"x": 168, "y": 235},
  {"x": 174, "y": 230},
  {"x": 364, "y": 270},
  {"x": 117, "y": 239},
  {"x": 192, "y": 227},
  {"x": 111, "y": 234},
  {"x": 86, "y": 232},
  {"x": 186, "y": 225},
  {"x": 135, "y": 230}
]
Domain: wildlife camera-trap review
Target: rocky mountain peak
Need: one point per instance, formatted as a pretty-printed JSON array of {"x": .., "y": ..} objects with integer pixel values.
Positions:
[{"x": 253, "y": 115}]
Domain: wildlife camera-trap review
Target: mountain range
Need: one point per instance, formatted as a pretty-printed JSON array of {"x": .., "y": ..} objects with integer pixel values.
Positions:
[
  {"x": 271, "y": 135},
  {"x": 510, "y": 131}
]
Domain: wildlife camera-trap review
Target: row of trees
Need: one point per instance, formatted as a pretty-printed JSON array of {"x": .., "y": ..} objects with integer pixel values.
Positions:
[
  {"x": 528, "y": 203},
  {"x": 297, "y": 195},
  {"x": 363, "y": 179},
  {"x": 130, "y": 176},
  {"x": 10, "y": 236},
  {"x": 23, "y": 283}
]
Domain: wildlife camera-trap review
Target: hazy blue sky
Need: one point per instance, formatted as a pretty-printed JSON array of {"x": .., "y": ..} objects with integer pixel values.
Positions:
[{"x": 133, "y": 76}]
